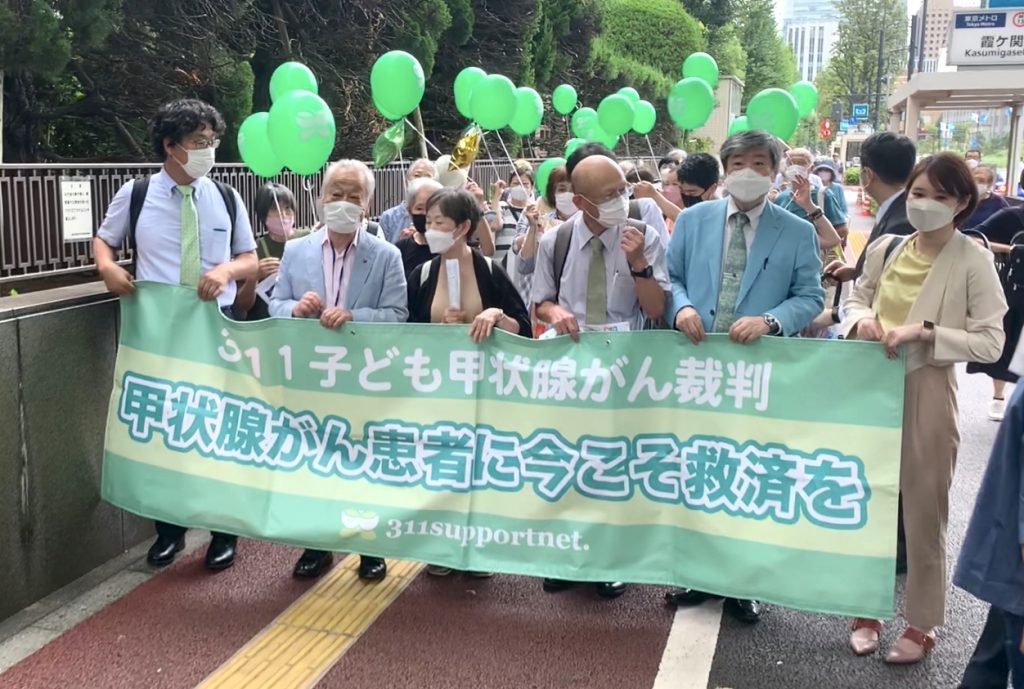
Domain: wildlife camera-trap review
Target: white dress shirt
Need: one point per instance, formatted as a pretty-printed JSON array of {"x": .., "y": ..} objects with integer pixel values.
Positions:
[
  {"x": 158, "y": 231},
  {"x": 884, "y": 207},
  {"x": 750, "y": 231}
]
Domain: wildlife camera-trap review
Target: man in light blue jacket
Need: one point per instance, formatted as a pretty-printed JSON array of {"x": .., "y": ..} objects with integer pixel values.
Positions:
[
  {"x": 745, "y": 267},
  {"x": 339, "y": 273}
]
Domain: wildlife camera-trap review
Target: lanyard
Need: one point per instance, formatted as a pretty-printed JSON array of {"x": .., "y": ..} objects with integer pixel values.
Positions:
[{"x": 334, "y": 268}]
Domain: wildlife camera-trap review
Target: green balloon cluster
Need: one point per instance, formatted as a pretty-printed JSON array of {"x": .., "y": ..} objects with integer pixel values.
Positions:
[
  {"x": 805, "y": 93},
  {"x": 396, "y": 84},
  {"x": 615, "y": 114},
  {"x": 563, "y": 99},
  {"x": 544, "y": 171},
  {"x": 644, "y": 117},
  {"x": 298, "y": 132},
  {"x": 494, "y": 101},
  {"x": 690, "y": 102},
  {"x": 775, "y": 111}
]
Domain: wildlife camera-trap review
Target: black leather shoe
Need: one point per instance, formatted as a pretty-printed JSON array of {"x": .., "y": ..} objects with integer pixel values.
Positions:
[
  {"x": 372, "y": 568},
  {"x": 221, "y": 553},
  {"x": 686, "y": 598},
  {"x": 556, "y": 585},
  {"x": 163, "y": 550},
  {"x": 313, "y": 563},
  {"x": 746, "y": 611},
  {"x": 901, "y": 565},
  {"x": 612, "y": 589}
]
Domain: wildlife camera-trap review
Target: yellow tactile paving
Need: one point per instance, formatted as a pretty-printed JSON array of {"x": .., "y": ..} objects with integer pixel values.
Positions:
[
  {"x": 306, "y": 640},
  {"x": 856, "y": 242}
]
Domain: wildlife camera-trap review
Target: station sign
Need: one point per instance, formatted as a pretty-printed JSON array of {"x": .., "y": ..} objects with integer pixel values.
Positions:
[{"x": 987, "y": 37}]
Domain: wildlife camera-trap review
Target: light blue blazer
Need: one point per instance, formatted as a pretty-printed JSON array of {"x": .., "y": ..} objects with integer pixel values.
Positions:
[
  {"x": 376, "y": 290},
  {"x": 783, "y": 274}
]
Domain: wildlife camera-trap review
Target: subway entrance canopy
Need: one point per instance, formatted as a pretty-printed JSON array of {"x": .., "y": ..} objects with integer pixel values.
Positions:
[{"x": 974, "y": 89}]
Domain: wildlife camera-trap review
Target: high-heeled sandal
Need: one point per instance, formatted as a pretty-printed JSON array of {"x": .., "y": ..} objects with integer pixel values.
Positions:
[
  {"x": 864, "y": 636},
  {"x": 922, "y": 642}
]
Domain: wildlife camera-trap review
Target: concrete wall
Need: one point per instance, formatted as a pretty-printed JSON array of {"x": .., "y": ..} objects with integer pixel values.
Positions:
[{"x": 57, "y": 353}]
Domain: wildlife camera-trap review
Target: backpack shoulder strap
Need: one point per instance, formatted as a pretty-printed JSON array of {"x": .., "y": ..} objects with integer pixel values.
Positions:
[
  {"x": 892, "y": 246},
  {"x": 634, "y": 210},
  {"x": 563, "y": 238},
  {"x": 638, "y": 225},
  {"x": 139, "y": 189},
  {"x": 374, "y": 229},
  {"x": 228, "y": 194}
]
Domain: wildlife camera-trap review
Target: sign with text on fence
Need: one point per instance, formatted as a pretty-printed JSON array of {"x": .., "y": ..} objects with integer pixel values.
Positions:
[
  {"x": 765, "y": 471},
  {"x": 76, "y": 208}
]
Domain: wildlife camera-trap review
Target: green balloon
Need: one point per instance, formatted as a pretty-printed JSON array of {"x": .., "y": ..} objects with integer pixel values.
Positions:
[
  {"x": 598, "y": 134},
  {"x": 544, "y": 171},
  {"x": 615, "y": 114},
  {"x": 738, "y": 124},
  {"x": 396, "y": 84},
  {"x": 572, "y": 144},
  {"x": 690, "y": 102},
  {"x": 630, "y": 93},
  {"x": 582, "y": 120},
  {"x": 563, "y": 99},
  {"x": 775, "y": 111},
  {"x": 701, "y": 66},
  {"x": 644, "y": 117},
  {"x": 291, "y": 76},
  {"x": 301, "y": 131},
  {"x": 255, "y": 147},
  {"x": 805, "y": 93},
  {"x": 494, "y": 101},
  {"x": 465, "y": 82},
  {"x": 529, "y": 111}
]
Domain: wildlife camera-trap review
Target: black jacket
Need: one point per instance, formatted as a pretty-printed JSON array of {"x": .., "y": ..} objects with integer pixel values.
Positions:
[
  {"x": 893, "y": 222},
  {"x": 496, "y": 291}
]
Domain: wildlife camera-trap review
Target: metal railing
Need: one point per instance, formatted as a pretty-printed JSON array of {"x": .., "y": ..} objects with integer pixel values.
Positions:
[{"x": 31, "y": 234}]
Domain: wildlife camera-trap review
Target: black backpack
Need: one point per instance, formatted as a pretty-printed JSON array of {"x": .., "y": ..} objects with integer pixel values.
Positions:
[{"x": 141, "y": 188}]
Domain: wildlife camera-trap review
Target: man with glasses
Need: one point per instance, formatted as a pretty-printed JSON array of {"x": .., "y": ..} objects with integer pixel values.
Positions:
[
  {"x": 184, "y": 229},
  {"x": 599, "y": 271}
]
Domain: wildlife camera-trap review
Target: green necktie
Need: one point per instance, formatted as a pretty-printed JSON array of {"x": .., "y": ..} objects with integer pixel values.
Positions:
[
  {"x": 732, "y": 274},
  {"x": 597, "y": 284},
  {"x": 190, "y": 267}
]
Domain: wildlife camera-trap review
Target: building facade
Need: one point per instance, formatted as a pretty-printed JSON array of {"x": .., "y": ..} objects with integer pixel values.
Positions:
[{"x": 810, "y": 29}]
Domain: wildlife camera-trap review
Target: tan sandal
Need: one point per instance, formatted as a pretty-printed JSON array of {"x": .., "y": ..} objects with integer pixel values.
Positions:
[
  {"x": 919, "y": 646},
  {"x": 864, "y": 636}
]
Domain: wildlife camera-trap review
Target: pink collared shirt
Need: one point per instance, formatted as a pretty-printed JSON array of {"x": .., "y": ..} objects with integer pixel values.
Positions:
[{"x": 337, "y": 270}]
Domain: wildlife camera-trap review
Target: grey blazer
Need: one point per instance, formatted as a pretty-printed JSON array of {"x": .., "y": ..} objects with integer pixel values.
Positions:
[{"x": 376, "y": 289}]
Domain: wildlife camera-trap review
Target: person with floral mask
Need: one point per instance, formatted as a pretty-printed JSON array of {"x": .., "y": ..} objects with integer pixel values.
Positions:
[
  {"x": 275, "y": 211},
  {"x": 935, "y": 294},
  {"x": 744, "y": 267},
  {"x": 413, "y": 248},
  {"x": 599, "y": 270},
  {"x": 189, "y": 230},
  {"x": 341, "y": 273},
  {"x": 989, "y": 202}
]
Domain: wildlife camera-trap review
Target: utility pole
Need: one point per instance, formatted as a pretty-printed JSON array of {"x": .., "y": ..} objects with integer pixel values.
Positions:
[
  {"x": 912, "y": 48},
  {"x": 923, "y": 26},
  {"x": 1, "y": 116},
  {"x": 878, "y": 72}
]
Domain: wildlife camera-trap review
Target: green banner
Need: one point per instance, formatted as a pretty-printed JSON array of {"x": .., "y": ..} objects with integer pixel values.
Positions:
[{"x": 766, "y": 471}]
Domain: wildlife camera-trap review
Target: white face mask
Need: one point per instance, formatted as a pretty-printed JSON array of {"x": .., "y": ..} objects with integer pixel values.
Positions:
[
  {"x": 342, "y": 217},
  {"x": 198, "y": 162},
  {"x": 928, "y": 215},
  {"x": 613, "y": 212},
  {"x": 982, "y": 189},
  {"x": 747, "y": 186},
  {"x": 564, "y": 204},
  {"x": 972, "y": 163},
  {"x": 794, "y": 171},
  {"x": 439, "y": 241},
  {"x": 519, "y": 194}
]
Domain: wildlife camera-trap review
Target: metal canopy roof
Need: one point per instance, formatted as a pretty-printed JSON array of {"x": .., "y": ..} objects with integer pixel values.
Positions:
[{"x": 963, "y": 90}]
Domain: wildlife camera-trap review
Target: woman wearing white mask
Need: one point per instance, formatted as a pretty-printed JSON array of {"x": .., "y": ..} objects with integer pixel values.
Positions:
[
  {"x": 532, "y": 225},
  {"x": 487, "y": 299},
  {"x": 520, "y": 195},
  {"x": 989, "y": 202},
  {"x": 937, "y": 292}
]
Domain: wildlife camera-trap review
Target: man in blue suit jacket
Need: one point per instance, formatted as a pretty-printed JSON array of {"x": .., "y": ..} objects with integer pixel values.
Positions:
[
  {"x": 743, "y": 266},
  {"x": 339, "y": 273}
]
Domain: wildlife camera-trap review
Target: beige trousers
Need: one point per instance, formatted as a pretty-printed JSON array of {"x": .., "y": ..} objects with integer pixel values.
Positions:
[{"x": 931, "y": 438}]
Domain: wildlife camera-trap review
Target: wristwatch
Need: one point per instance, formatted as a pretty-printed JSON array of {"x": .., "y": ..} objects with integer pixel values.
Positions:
[
  {"x": 815, "y": 214},
  {"x": 928, "y": 325},
  {"x": 647, "y": 272},
  {"x": 774, "y": 327}
]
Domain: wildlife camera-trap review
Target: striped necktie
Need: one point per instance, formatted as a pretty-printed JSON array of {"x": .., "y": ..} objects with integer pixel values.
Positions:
[
  {"x": 732, "y": 274},
  {"x": 190, "y": 266}
]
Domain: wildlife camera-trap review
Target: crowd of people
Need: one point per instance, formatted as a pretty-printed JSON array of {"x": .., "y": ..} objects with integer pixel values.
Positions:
[{"x": 750, "y": 243}]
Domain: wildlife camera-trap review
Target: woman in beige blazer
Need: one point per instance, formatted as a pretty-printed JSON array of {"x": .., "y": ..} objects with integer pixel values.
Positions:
[{"x": 937, "y": 292}]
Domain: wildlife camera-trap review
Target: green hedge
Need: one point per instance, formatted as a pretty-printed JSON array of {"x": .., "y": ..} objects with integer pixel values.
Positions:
[{"x": 852, "y": 176}]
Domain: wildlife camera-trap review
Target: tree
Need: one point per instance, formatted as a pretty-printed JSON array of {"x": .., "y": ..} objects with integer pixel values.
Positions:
[
  {"x": 770, "y": 62},
  {"x": 725, "y": 46},
  {"x": 852, "y": 72}
]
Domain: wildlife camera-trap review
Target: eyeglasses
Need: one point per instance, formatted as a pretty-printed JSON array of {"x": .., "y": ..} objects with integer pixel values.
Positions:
[{"x": 200, "y": 144}]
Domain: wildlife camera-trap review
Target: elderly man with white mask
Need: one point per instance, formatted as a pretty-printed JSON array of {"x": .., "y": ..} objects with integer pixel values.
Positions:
[{"x": 339, "y": 273}]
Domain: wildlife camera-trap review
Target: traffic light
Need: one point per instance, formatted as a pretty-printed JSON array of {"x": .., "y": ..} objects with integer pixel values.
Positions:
[{"x": 825, "y": 129}]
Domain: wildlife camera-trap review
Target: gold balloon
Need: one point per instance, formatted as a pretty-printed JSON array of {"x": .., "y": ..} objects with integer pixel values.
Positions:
[{"x": 466, "y": 149}]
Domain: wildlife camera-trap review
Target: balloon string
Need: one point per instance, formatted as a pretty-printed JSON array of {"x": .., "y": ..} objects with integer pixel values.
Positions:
[
  {"x": 625, "y": 139},
  {"x": 424, "y": 136},
  {"x": 307, "y": 184},
  {"x": 650, "y": 148},
  {"x": 514, "y": 170},
  {"x": 494, "y": 165}
]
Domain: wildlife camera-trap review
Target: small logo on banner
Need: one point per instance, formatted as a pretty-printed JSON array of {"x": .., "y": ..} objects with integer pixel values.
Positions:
[{"x": 359, "y": 523}]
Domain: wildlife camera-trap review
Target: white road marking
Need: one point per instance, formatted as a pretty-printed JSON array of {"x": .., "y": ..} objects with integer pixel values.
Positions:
[{"x": 690, "y": 648}]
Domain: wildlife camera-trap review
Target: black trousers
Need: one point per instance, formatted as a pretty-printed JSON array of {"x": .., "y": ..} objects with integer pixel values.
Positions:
[
  {"x": 901, "y": 540},
  {"x": 989, "y": 667},
  {"x": 174, "y": 531}
]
